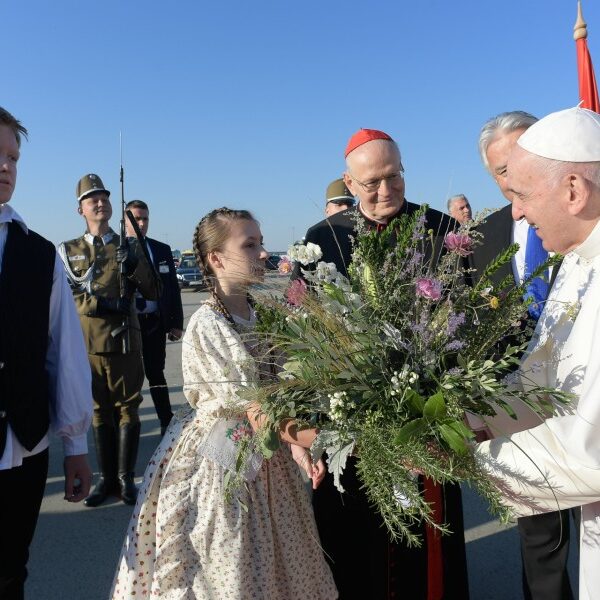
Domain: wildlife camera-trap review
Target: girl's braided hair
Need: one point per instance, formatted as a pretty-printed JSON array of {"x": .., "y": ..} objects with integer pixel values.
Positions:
[{"x": 210, "y": 235}]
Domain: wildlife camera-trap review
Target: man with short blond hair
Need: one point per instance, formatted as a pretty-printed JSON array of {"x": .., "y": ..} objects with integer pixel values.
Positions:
[{"x": 44, "y": 375}]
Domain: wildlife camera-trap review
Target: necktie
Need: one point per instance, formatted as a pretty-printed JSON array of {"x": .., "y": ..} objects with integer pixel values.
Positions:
[
  {"x": 537, "y": 290},
  {"x": 140, "y": 301}
]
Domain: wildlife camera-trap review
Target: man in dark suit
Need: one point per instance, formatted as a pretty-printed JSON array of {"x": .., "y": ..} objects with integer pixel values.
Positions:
[
  {"x": 544, "y": 537},
  {"x": 158, "y": 320},
  {"x": 365, "y": 563}
]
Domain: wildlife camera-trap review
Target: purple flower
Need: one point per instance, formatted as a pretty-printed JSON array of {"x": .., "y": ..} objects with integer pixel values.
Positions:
[
  {"x": 454, "y": 322},
  {"x": 454, "y": 346},
  {"x": 296, "y": 292},
  {"x": 429, "y": 288},
  {"x": 459, "y": 243}
]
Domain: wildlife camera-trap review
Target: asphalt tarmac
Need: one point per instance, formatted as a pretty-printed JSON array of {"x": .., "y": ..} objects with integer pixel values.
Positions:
[{"x": 75, "y": 549}]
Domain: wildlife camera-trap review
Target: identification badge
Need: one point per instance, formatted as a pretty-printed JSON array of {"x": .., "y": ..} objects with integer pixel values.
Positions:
[
  {"x": 76, "y": 257},
  {"x": 163, "y": 268}
]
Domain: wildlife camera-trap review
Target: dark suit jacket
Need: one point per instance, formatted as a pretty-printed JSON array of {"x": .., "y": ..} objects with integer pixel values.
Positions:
[
  {"x": 169, "y": 302},
  {"x": 497, "y": 236},
  {"x": 333, "y": 234}
]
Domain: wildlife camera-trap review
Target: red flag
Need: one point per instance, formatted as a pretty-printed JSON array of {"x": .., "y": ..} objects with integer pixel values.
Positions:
[{"x": 588, "y": 92}]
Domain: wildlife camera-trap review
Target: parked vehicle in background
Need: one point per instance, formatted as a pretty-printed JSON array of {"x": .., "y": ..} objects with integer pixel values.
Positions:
[
  {"x": 189, "y": 275},
  {"x": 273, "y": 260}
]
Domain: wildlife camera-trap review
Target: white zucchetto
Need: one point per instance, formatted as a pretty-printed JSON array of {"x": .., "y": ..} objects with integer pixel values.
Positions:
[{"x": 571, "y": 135}]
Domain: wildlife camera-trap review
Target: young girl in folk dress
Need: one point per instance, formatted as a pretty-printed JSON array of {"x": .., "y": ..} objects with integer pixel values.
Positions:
[{"x": 185, "y": 540}]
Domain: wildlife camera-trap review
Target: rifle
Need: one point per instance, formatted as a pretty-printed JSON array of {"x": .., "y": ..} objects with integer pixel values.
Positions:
[{"x": 124, "y": 327}]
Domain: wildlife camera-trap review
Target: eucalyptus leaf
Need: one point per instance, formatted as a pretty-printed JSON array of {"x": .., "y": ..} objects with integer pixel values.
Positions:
[{"x": 336, "y": 460}]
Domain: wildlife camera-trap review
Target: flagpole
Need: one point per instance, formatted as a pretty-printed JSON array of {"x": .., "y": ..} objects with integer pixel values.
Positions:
[
  {"x": 588, "y": 91},
  {"x": 580, "y": 29}
]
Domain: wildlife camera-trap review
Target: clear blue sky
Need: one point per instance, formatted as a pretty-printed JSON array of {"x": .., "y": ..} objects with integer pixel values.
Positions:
[{"x": 250, "y": 104}]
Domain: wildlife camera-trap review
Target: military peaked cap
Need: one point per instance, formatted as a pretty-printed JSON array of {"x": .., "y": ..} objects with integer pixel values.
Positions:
[{"x": 89, "y": 184}]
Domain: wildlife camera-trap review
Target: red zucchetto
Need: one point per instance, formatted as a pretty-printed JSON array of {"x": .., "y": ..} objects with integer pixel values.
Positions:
[{"x": 362, "y": 136}]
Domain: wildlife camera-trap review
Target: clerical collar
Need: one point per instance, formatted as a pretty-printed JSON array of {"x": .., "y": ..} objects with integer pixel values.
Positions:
[
  {"x": 106, "y": 238},
  {"x": 381, "y": 225},
  {"x": 590, "y": 248},
  {"x": 8, "y": 213}
]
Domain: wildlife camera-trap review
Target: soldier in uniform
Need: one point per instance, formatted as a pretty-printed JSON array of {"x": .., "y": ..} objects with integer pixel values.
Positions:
[
  {"x": 94, "y": 263},
  {"x": 337, "y": 198}
]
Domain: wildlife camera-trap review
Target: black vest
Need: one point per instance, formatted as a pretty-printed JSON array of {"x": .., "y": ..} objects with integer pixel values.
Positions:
[{"x": 25, "y": 288}]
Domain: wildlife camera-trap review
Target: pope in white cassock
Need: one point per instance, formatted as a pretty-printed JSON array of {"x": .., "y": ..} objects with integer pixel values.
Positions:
[{"x": 554, "y": 175}]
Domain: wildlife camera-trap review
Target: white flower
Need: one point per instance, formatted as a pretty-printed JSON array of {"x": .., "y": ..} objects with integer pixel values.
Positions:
[
  {"x": 305, "y": 254},
  {"x": 338, "y": 405},
  {"x": 399, "y": 379},
  {"x": 326, "y": 272}
]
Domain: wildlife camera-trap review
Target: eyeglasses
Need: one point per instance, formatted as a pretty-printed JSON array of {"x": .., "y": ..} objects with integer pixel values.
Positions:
[{"x": 373, "y": 186}]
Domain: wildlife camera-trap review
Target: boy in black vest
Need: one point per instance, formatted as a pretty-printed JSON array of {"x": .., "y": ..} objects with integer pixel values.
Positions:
[{"x": 44, "y": 376}]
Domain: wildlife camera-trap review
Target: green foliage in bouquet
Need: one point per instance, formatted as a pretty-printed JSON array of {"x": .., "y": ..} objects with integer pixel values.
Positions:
[{"x": 387, "y": 362}]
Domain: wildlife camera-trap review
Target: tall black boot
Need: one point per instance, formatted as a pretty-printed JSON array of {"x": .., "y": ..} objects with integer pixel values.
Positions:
[
  {"x": 129, "y": 437},
  {"x": 162, "y": 404},
  {"x": 106, "y": 451}
]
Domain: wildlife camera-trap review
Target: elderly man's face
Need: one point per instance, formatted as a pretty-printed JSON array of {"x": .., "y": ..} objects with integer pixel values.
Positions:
[
  {"x": 460, "y": 210},
  {"x": 375, "y": 176},
  {"x": 497, "y": 155},
  {"x": 544, "y": 206}
]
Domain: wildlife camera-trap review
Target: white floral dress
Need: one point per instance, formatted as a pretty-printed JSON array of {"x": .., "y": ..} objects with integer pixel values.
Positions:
[{"x": 184, "y": 540}]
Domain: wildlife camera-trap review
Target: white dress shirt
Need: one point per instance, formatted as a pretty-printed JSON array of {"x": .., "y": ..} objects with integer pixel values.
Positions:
[
  {"x": 519, "y": 236},
  {"x": 69, "y": 375},
  {"x": 557, "y": 463}
]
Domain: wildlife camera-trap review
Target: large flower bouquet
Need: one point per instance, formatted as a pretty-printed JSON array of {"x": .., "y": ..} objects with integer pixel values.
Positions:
[{"x": 387, "y": 362}]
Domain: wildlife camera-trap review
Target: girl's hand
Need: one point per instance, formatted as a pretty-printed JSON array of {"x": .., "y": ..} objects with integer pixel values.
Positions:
[
  {"x": 303, "y": 460},
  {"x": 319, "y": 472},
  {"x": 316, "y": 471}
]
